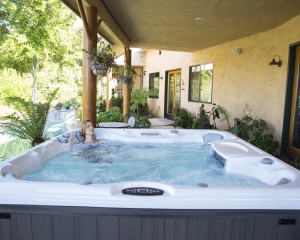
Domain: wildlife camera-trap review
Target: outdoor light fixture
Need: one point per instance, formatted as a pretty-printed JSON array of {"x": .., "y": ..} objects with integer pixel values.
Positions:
[
  {"x": 237, "y": 51},
  {"x": 274, "y": 62},
  {"x": 144, "y": 73},
  {"x": 182, "y": 84}
]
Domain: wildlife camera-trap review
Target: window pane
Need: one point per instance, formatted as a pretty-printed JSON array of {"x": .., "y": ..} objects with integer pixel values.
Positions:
[
  {"x": 178, "y": 90},
  {"x": 201, "y": 83},
  {"x": 195, "y": 86},
  {"x": 154, "y": 85},
  {"x": 206, "y": 83},
  {"x": 171, "y": 94}
]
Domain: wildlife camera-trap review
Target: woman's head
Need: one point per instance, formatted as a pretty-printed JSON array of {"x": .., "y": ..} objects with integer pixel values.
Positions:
[{"x": 86, "y": 128}]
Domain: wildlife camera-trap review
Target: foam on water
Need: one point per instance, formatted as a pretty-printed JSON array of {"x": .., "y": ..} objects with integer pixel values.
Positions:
[{"x": 113, "y": 161}]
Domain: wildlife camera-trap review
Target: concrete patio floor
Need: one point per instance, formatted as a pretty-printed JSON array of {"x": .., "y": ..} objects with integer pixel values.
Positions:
[{"x": 161, "y": 123}]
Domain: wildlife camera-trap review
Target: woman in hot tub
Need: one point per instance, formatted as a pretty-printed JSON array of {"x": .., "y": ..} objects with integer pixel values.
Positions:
[{"x": 86, "y": 136}]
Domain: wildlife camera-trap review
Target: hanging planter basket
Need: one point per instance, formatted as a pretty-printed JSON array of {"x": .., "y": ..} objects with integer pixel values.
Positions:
[
  {"x": 127, "y": 78},
  {"x": 99, "y": 69},
  {"x": 101, "y": 58}
]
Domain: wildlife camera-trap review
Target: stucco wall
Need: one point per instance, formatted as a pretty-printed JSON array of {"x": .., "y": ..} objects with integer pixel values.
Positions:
[{"x": 238, "y": 79}]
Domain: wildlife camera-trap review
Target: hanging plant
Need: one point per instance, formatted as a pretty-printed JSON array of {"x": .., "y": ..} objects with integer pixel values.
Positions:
[
  {"x": 127, "y": 77},
  {"x": 102, "y": 59}
]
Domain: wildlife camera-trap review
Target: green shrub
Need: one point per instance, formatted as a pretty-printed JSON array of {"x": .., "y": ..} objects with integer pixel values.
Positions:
[
  {"x": 117, "y": 102},
  {"x": 255, "y": 132},
  {"x": 110, "y": 116},
  {"x": 203, "y": 121},
  {"x": 182, "y": 118},
  {"x": 101, "y": 104},
  {"x": 143, "y": 122}
]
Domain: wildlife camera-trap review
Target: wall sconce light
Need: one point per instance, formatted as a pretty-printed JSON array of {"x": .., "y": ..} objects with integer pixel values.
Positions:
[
  {"x": 237, "y": 51},
  {"x": 161, "y": 78},
  {"x": 274, "y": 62},
  {"x": 182, "y": 84},
  {"x": 144, "y": 72},
  {"x": 247, "y": 110}
]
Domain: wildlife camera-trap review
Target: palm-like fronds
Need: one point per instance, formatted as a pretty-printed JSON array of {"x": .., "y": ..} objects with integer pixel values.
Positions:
[
  {"x": 139, "y": 99},
  {"x": 224, "y": 114},
  {"x": 29, "y": 120}
]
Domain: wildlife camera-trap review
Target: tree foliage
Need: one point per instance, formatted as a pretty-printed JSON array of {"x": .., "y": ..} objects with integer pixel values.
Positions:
[
  {"x": 12, "y": 84},
  {"x": 13, "y": 148},
  {"x": 35, "y": 30},
  {"x": 36, "y": 37}
]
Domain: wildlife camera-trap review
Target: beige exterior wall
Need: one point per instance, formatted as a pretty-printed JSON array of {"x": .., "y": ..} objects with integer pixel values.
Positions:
[{"x": 237, "y": 79}]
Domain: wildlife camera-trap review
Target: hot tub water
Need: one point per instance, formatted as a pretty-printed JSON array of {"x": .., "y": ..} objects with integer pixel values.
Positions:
[{"x": 115, "y": 161}]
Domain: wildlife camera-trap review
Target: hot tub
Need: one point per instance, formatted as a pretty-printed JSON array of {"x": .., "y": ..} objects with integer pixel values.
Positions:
[{"x": 136, "y": 201}]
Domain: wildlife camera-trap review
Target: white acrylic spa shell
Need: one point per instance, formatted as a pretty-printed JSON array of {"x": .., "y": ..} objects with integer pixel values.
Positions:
[{"x": 282, "y": 189}]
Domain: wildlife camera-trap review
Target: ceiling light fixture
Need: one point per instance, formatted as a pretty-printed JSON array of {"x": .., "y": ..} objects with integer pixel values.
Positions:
[{"x": 199, "y": 19}]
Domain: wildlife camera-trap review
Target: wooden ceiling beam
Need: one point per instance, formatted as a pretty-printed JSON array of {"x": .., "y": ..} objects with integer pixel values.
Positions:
[{"x": 83, "y": 17}]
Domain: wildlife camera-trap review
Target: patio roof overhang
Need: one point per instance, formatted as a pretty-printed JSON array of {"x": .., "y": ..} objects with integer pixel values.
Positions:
[{"x": 189, "y": 26}]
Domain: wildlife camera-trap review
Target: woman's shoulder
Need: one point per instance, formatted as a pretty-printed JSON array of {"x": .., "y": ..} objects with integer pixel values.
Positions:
[
  {"x": 83, "y": 145},
  {"x": 93, "y": 143}
]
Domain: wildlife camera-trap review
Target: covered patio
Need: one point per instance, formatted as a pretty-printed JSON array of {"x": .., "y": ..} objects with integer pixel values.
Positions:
[
  {"x": 239, "y": 39},
  {"x": 252, "y": 50}
]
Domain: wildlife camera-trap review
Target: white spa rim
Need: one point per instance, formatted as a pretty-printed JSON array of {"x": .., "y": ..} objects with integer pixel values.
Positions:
[{"x": 281, "y": 192}]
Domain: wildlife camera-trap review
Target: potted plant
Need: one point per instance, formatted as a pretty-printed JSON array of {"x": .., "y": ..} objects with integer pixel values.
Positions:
[
  {"x": 127, "y": 76},
  {"x": 102, "y": 59}
]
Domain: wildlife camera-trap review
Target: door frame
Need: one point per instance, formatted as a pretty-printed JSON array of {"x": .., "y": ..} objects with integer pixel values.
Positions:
[
  {"x": 287, "y": 119},
  {"x": 166, "y": 115}
]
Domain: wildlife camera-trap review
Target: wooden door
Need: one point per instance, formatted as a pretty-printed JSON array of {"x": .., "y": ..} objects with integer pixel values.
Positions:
[
  {"x": 294, "y": 133},
  {"x": 173, "y": 92}
]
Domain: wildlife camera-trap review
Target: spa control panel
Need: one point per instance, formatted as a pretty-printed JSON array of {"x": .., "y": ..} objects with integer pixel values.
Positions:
[{"x": 143, "y": 191}]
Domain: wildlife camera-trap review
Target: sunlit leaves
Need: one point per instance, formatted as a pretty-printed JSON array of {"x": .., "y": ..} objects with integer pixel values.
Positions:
[
  {"x": 34, "y": 29},
  {"x": 37, "y": 39}
]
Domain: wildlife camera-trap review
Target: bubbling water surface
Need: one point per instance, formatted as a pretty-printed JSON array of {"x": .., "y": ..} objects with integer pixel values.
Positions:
[{"x": 115, "y": 161}]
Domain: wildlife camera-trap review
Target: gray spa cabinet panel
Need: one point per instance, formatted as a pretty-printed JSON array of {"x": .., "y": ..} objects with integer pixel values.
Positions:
[
  {"x": 198, "y": 229},
  {"x": 130, "y": 228},
  {"x": 21, "y": 228},
  {"x": 64, "y": 227},
  {"x": 86, "y": 228},
  {"x": 52, "y": 223},
  {"x": 175, "y": 228},
  {"x": 32, "y": 227},
  {"x": 108, "y": 228},
  {"x": 5, "y": 226},
  {"x": 153, "y": 228}
]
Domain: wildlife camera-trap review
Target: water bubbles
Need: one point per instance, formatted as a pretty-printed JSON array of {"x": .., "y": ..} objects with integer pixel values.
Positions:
[{"x": 114, "y": 161}]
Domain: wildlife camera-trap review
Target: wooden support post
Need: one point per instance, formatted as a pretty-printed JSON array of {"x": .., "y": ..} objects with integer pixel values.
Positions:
[
  {"x": 126, "y": 87},
  {"x": 108, "y": 90},
  {"x": 89, "y": 80}
]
